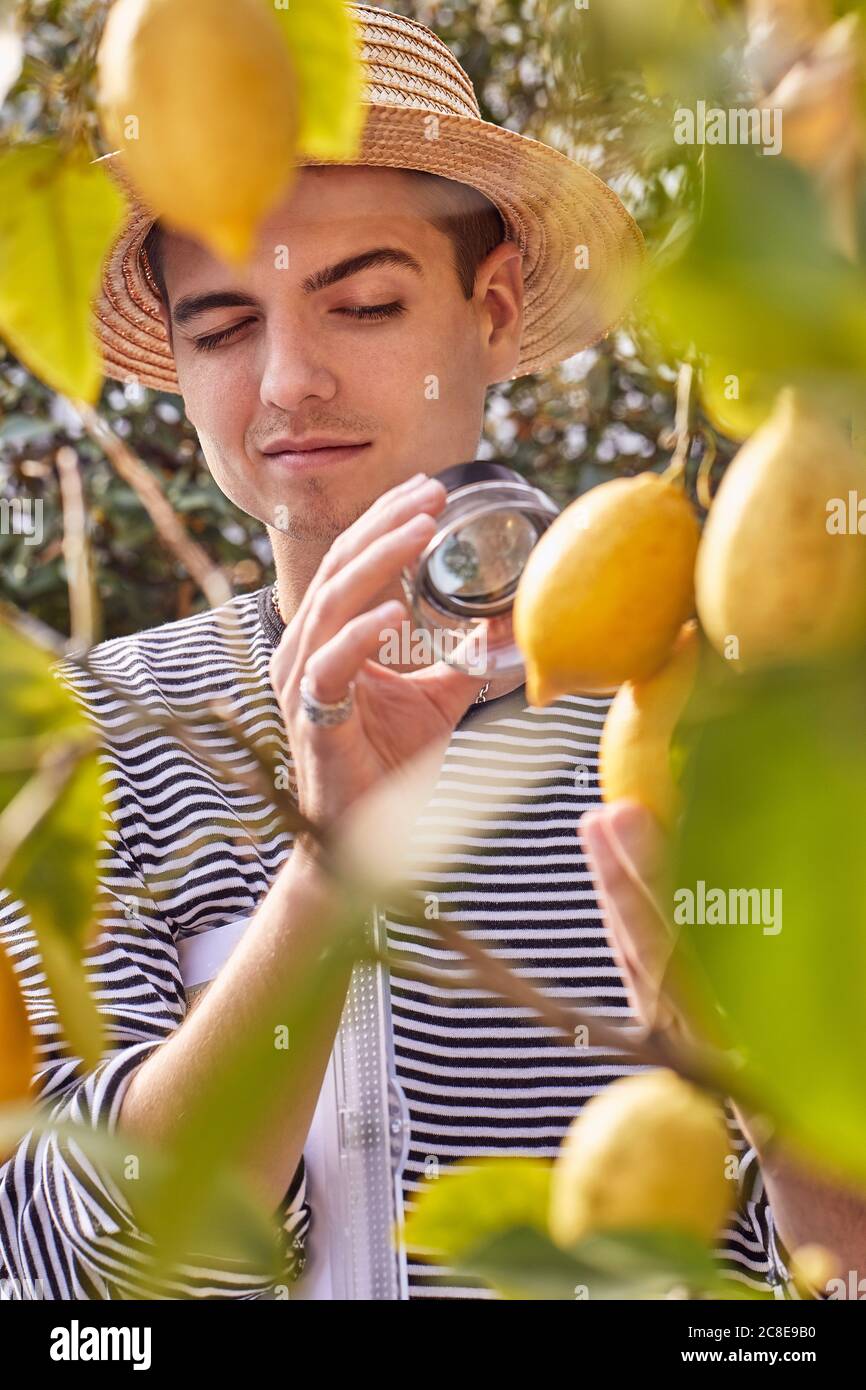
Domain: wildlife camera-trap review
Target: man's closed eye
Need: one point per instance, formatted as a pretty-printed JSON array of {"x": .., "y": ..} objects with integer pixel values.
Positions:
[{"x": 367, "y": 313}]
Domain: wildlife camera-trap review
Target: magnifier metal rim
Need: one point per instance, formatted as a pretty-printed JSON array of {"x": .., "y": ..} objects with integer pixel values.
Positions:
[{"x": 450, "y": 602}]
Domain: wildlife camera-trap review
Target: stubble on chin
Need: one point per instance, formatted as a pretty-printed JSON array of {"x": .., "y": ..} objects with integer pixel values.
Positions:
[{"x": 314, "y": 517}]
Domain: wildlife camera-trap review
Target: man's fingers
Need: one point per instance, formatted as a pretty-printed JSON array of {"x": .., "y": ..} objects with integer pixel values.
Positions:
[
  {"x": 333, "y": 665},
  {"x": 606, "y": 871},
  {"x": 638, "y": 840},
  {"x": 639, "y": 846},
  {"x": 387, "y": 514},
  {"x": 352, "y": 589},
  {"x": 625, "y": 848}
]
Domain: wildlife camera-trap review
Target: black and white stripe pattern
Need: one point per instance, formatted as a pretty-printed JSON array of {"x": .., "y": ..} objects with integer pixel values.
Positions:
[{"x": 189, "y": 851}]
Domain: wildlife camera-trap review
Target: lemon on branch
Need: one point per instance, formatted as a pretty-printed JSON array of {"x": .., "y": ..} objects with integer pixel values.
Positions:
[
  {"x": 781, "y": 569},
  {"x": 647, "y": 1152},
  {"x": 200, "y": 95},
  {"x": 607, "y": 588},
  {"x": 635, "y": 754}
]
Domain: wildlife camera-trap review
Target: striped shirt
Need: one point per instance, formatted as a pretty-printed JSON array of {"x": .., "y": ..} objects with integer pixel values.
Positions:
[{"x": 188, "y": 851}]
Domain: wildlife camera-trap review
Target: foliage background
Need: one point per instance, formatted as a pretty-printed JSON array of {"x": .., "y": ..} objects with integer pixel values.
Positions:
[{"x": 601, "y": 413}]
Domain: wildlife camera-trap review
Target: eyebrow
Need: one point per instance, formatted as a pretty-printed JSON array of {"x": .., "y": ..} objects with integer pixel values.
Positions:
[
  {"x": 192, "y": 304},
  {"x": 380, "y": 255}
]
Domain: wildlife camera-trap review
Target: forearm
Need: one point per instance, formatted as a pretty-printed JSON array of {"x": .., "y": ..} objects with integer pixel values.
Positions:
[
  {"x": 808, "y": 1209},
  {"x": 274, "y": 953}
]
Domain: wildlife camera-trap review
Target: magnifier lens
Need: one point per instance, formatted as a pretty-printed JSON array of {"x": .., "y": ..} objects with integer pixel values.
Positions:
[
  {"x": 461, "y": 589},
  {"x": 484, "y": 559}
]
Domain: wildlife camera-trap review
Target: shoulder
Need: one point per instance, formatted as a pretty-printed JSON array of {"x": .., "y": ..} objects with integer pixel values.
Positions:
[{"x": 153, "y": 664}]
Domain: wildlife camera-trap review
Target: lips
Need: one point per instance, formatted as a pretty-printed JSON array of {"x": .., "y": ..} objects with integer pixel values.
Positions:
[
  {"x": 310, "y": 455},
  {"x": 313, "y": 442}
]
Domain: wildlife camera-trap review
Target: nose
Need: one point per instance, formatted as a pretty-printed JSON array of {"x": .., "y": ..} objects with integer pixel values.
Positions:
[{"x": 293, "y": 369}]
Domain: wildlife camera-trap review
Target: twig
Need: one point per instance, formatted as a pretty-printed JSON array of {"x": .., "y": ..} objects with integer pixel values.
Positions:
[
  {"x": 682, "y": 425},
  {"x": 708, "y": 1068},
  {"x": 83, "y": 612},
  {"x": 169, "y": 526},
  {"x": 703, "y": 490},
  {"x": 32, "y": 803},
  {"x": 25, "y": 754}
]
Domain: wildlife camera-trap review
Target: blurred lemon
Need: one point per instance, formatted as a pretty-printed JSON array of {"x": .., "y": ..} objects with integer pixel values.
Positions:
[
  {"x": 781, "y": 570},
  {"x": 200, "y": 95},
  {"x": 647, "y": 1152},
  {"x": 635, "y": 750},
  {"x": 607, "y": 588}
]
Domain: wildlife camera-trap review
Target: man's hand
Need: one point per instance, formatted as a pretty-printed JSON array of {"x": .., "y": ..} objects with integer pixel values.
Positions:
[
  {"x": 624, "y": 847},
  {"x": 334, "y": 638}
]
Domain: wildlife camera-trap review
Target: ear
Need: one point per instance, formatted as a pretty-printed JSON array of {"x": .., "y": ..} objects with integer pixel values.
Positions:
[{"x": 499, "y": 295}]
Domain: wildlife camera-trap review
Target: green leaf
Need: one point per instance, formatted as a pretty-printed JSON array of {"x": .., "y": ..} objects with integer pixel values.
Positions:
[
  {"x": 58, "y": 216},
  {"x": 321, "y": 38},
  {"x": 64, "y": 973},
  {"x": 473, "y": 1200},
  {"x": 776, "y": 801},
  {"x": 758, "y": 286},
  {"x": 54, "y": 870},
  {"x": 524, "y": 1263},
  {"x": 230, "y": 1223},
  {"x": 260, "y": 1074}
]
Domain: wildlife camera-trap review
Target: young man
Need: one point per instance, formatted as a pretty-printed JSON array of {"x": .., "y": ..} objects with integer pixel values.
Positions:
[{"x": 326, "y": 386}]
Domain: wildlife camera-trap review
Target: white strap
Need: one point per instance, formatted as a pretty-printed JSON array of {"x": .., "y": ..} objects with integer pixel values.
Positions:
[{"x": 202, "y": 955}]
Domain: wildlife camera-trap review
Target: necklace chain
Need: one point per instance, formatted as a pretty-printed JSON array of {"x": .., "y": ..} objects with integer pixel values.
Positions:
[{"x": 480, "y": 698}]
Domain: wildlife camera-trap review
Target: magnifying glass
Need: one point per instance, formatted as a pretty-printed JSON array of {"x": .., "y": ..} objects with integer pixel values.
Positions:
[{"x": 461, "y": 588}]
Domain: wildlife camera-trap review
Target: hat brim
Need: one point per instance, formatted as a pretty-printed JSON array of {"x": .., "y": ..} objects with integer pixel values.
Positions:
[{"x": 583, "y": 251}]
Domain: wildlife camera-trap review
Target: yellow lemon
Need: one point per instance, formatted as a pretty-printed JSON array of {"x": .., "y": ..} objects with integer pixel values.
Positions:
[
  {"x": 607, "y": 588},
  {"x": 649, "y": 1151},
  {"x": 813, "y": 1266},
  {"x": 201, "y": 97},
  {"x": 781, "y": 569},
  {"x": 635, "y": 749}
]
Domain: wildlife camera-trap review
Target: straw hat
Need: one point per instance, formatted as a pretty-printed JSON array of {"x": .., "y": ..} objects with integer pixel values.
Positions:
[{"x": 551, "y": 206}]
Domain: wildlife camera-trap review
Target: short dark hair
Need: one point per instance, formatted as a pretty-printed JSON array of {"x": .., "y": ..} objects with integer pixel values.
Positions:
[{"x": 474, "y": 225}]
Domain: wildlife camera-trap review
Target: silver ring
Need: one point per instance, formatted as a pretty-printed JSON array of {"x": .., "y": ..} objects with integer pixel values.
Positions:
[{"x": 318, "y": 712}]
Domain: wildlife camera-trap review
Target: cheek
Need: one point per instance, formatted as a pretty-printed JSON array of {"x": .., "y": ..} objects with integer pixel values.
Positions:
[
  {"x": 216, "y": 398},
  {"x": 439, "y": 352}
]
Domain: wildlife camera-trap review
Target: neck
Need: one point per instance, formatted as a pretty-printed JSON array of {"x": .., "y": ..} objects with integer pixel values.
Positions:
[{"x": 295, "y": 568}]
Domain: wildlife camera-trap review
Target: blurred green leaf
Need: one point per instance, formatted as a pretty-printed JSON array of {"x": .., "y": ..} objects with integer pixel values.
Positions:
[
  {"x": 54, "y": 870},
  {"x": 759, "y": 287},
  {"x": 239, "y": 1097},
  {"x": 58, "y": 216},
  {"x": 523, "y": 1262},
  {"x": 320, "y": 35},
  {"x": 776, "y": 800},
  {"x": 231, "y": 1224},
  {"x": 473, "y": 1199}
]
